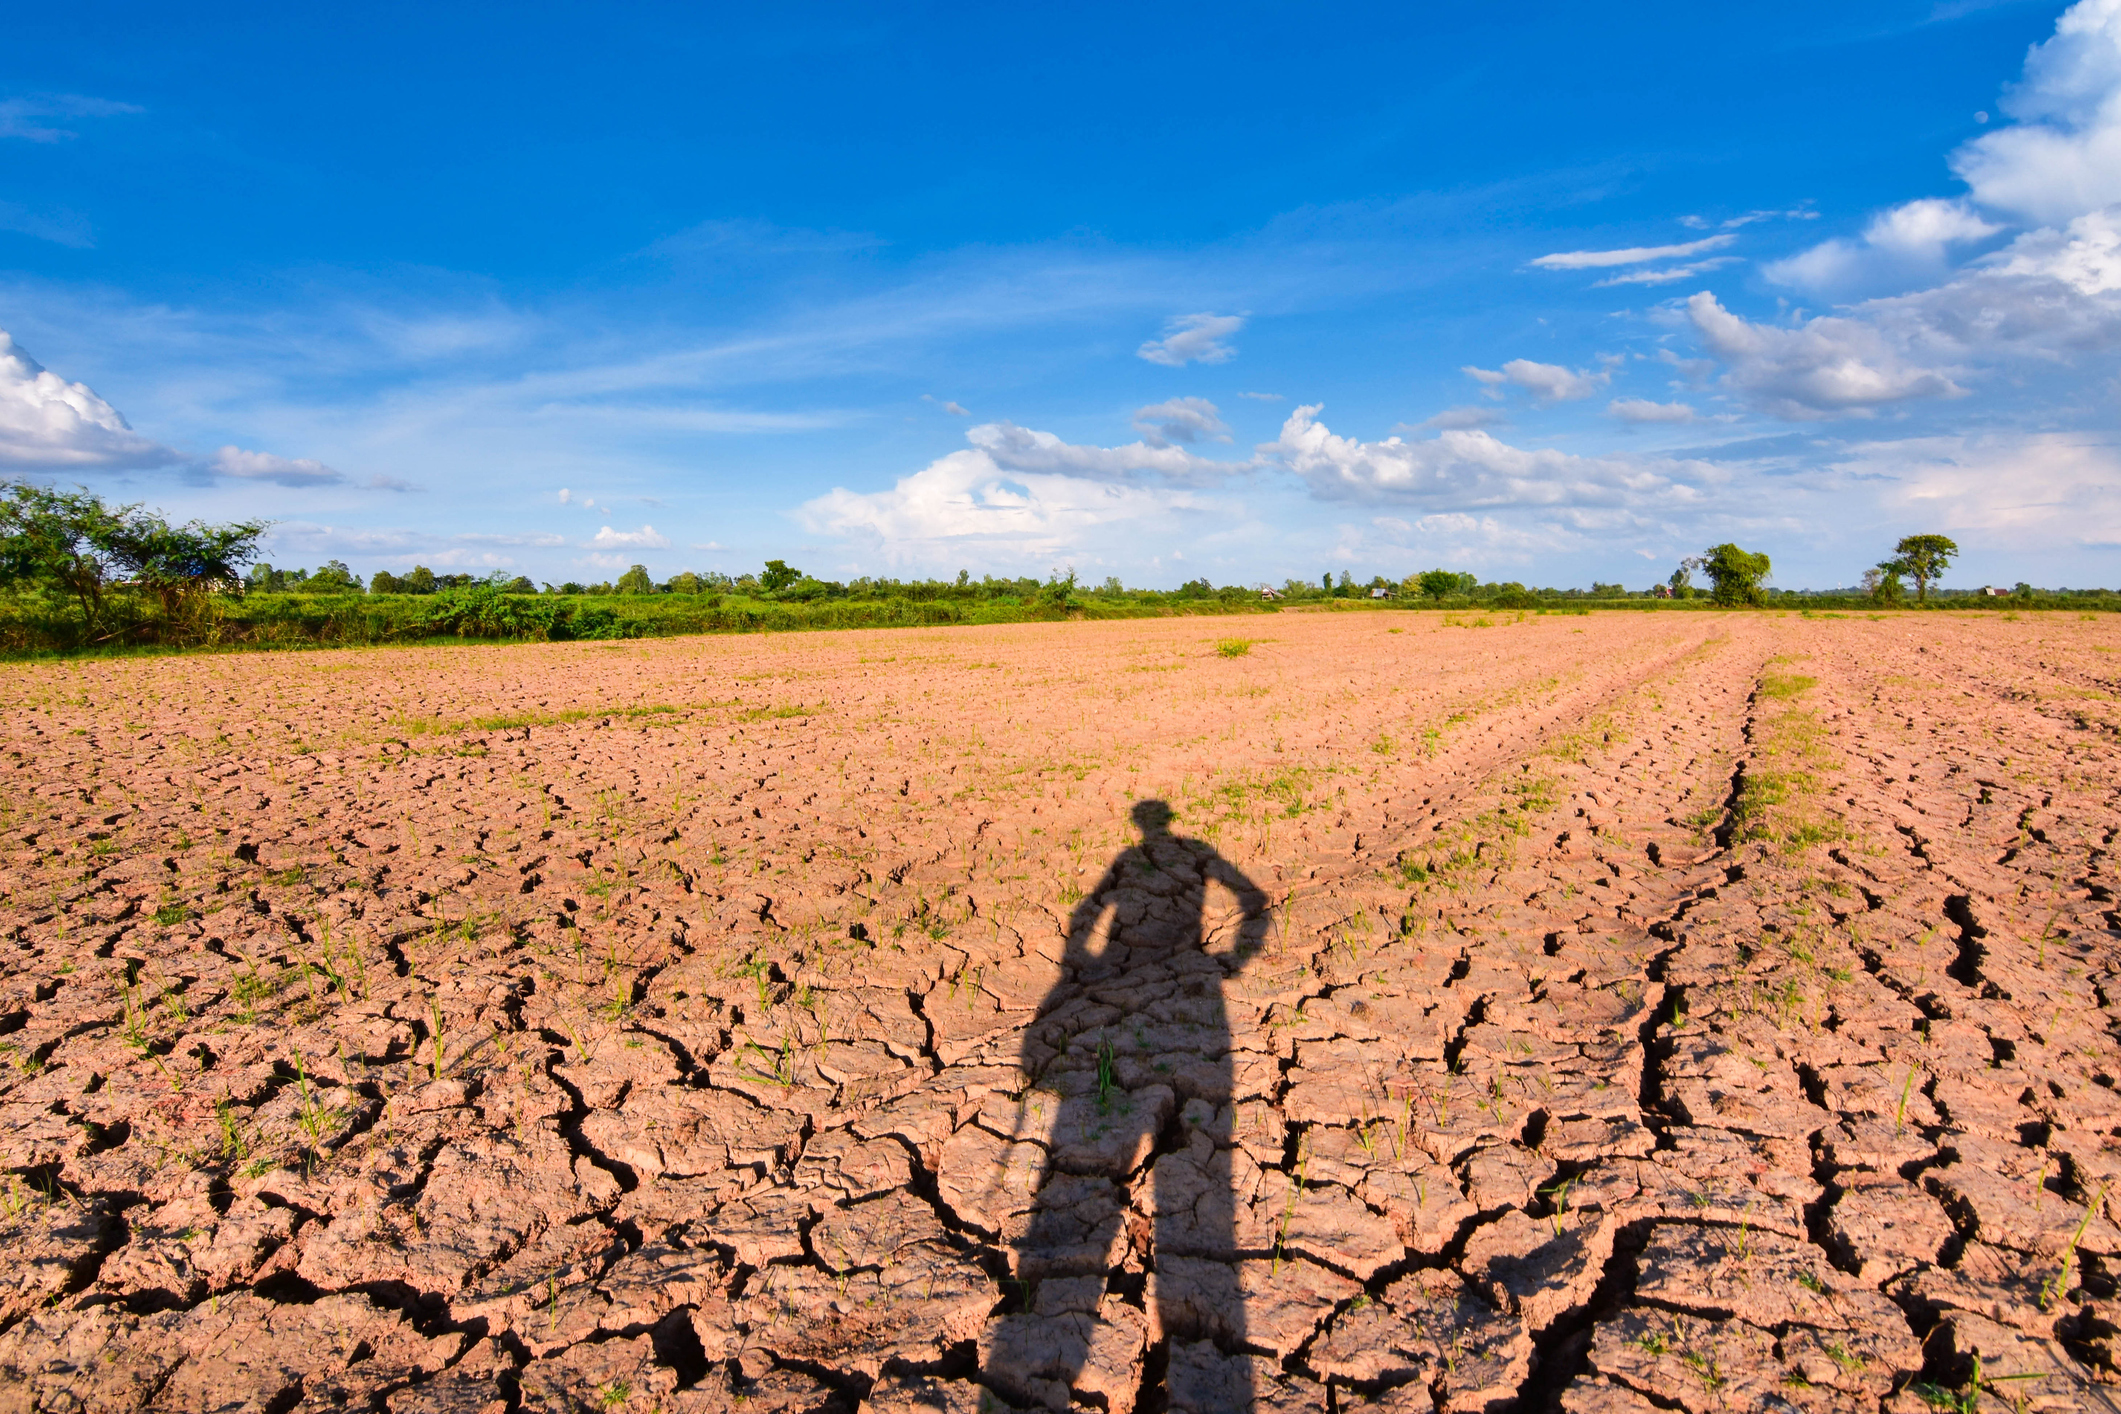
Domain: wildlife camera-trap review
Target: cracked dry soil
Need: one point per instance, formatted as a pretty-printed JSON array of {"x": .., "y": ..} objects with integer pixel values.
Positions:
[{"x": 1631, "y": 1012}]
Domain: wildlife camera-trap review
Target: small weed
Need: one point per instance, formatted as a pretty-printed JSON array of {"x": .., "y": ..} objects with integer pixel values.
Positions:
[
  {"x": 1907, "y": 1088},
  {"x": 232, "y": 1145},
  {"x": 434, "y": 1059},
  {"x": 765, "y": 714},
  {"x": 1233, "y": 647},
  {"x": 1703, "y": 1364},
  {"x": 2057, "y": 1286}
]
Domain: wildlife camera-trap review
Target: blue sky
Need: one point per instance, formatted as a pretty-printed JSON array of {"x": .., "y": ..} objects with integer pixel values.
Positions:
[{"x": 1547, "y": 293}]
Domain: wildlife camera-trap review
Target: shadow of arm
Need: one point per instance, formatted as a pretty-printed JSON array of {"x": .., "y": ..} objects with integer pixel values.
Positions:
[
  {"x": 1255, "y": 907},
  {"x": 1083, "y": 921}
]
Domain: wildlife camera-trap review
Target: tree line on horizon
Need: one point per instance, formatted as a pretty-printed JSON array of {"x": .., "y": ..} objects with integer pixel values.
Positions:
[{"x": 77, "y": 572}]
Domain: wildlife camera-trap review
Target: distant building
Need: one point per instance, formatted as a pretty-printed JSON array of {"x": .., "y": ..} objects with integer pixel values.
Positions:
[
  {"x": 1994, "y": 593},
  {"x": 1662, "y": 591},
  {"x": 1269, "y": 592},
  {"x": 1380, "y": 593}
]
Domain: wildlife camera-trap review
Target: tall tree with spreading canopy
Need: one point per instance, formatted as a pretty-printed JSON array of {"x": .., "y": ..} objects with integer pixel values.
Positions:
[
  {"x": 70, "y": 541},
  {"x": 180, "y": 563},
  {"x": 57, "y": 539},
  {"x": 1736, "y": 574},
  {"x": 1437, "y": 583},
  {"x": 1924, "y": 558}
]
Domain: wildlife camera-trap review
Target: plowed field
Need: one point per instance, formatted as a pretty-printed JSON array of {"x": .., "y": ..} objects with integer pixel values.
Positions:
[{"x": 1401, "y": 1011}]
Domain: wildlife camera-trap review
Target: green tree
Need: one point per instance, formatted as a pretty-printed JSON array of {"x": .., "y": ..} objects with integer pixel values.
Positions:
[
  {"x": 181, "y": 563},
  {"x": 72, "y": 542},
  {"x": 636, "y": 581},
  {"x": 778, "y": 576},
  {"x": 59, "y": 540},
  {"x": 1882, "y": 581},
  {"x": 335, "y": 578},
  {"x": 384, "y": 582},
  {"x": 1735, "y": 574},
  {"x": 420, "y": 581},
  {"x": 1437, "y": 583},
  {"x": 685, "y": 582},
  {"x": 1924, "y": 558}
]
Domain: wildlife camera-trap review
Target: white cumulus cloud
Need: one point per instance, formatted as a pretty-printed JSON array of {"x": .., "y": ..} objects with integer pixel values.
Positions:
[
  {"x": 1824, "y": 367},
  {"x": 1643, "y": 410},
  {"x": 2051, "y": 295},
  {"x": 1180, "y": 420},
  {"x": 50, "y": 424},
  {"x": 968, "y": 506},
  {"x": 1193, "y": 338},
  {"x": 1547, "y": 382},
  {"x": 2024, "y": 491},
  {"x": 1910, "y": 242},
  {"x": 1013, "y": 448},
  {"x": 2063, "y": 157},
  {"x": 646, "y": 538},
  {"x": 1471, "y": 469}
]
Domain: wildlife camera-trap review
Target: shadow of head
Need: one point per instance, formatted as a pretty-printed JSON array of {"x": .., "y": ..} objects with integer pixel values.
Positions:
[{"x": 1153, "y": 818}]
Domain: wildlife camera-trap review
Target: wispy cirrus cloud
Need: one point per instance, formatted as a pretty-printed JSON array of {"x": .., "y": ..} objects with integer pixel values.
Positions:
[
  {"x": 1667, "y": 274},
  {"x": 298, "y": 472},
  {"x": 33, "y": 116},
  {"x": 1629, "y": 255},
  {"x": 60, "y": 227}
]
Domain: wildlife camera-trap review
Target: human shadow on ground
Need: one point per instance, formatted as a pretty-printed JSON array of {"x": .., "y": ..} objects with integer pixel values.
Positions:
[{"x": 1130, "y": 1236}]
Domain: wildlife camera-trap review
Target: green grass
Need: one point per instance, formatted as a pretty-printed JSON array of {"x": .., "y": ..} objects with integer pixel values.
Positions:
[
  {"x": 31, "y": 627},
  {"x": 1234, "y": 647}
]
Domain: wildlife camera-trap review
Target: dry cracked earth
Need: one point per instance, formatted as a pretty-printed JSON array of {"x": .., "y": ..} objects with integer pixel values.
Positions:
[{"x": 1412, "y": 1012}]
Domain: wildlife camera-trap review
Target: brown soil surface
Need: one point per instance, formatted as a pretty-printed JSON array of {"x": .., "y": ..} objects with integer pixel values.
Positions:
[{"x": 1678, "y": 1011}]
